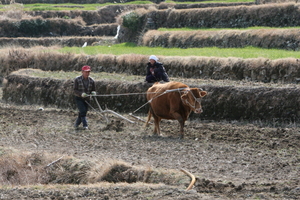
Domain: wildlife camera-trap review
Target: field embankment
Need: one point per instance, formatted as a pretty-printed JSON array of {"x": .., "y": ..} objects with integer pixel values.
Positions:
[
  {"x": 272, "y": 15},
  {"x": 238, "y": 101},
  {"x": 105, "y": 20},
  {"x": 38, "y": 27},
  {"x": 56, "y": 42},
  {"x": 287, "y": 39},
  {"x": 60, "y": 1},
  {"x": 197, "y": 67}
]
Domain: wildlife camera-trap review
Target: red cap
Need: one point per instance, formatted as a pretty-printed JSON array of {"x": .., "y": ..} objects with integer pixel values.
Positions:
[{"x": 86, "y": 68}]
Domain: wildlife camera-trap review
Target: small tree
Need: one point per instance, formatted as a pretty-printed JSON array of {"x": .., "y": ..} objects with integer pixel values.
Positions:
[{"x": 132, "y": 21}]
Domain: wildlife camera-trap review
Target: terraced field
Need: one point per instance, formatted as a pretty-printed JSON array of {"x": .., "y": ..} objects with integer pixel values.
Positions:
[{"x": 245, "y": 145}]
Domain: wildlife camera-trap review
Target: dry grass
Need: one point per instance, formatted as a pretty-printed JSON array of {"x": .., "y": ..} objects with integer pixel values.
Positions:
[
  {"x": 104, "y": 76},
  {"x": 30, "y": 168},
  {"x": 191, "y": 67},
  {"x": 23, "y": 168},
  {"x": 264, "y": 38},
  {"x": 230, "y": 16},
  {"x": 275, "y": 1},
  {"x": 14, "y": 11}
]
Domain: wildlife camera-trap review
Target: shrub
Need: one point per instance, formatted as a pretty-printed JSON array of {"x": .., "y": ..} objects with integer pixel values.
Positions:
[
  {"x": 131, "y": 21},
  {"x": 33, "y": 27}
]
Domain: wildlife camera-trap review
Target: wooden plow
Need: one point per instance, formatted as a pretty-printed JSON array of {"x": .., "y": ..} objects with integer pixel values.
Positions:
[{"x": 103, "y": 113}]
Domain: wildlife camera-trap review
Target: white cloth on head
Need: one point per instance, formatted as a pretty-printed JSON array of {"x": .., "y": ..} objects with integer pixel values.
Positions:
[{"x": 153, "y": 57}]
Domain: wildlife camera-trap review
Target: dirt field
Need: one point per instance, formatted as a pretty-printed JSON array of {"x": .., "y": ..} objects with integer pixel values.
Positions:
[{"x": 231, "y": 160}]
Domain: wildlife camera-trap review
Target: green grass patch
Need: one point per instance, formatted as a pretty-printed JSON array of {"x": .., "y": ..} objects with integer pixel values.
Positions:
[
  {"x": 129, "y": 48},
  {"x": 68, "y": 6},
  {"x": 72, "y": 6}
]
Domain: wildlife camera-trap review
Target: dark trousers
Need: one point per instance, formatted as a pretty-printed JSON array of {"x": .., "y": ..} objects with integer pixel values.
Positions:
[
  {"x": 83, "y": 108},
  {"x": 151, "y": 79},
  {"x": 159, "y": 76}
]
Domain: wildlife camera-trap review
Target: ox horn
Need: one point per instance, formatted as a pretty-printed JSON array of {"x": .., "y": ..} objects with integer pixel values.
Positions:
[{"x": 192, "y": 177}]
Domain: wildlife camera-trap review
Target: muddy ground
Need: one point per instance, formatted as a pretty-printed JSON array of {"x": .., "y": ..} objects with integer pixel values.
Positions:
[{"x": 231, "y": 160}]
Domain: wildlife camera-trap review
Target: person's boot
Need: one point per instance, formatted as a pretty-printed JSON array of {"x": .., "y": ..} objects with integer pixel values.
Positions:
[
  {"x": 84, "y": 122},
  {"x": 77, "y": 122}
]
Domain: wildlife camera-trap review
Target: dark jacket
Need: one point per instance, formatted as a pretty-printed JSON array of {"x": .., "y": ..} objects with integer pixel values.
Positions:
[
  {"x": 80, "y": 87},
  {"x": 160, "y": 73}
]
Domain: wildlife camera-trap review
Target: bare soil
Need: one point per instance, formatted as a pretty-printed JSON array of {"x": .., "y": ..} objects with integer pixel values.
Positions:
[{"x": 231, "y": 160}]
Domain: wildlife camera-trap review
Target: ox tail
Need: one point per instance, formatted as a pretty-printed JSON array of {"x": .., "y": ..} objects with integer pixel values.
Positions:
[{"x": 149, "y": 117}]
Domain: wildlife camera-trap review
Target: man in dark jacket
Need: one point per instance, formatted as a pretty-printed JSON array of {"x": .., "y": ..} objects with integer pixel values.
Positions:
[
  {"x": 155, "y": 71},
  {"x": 84, "y": 86}
]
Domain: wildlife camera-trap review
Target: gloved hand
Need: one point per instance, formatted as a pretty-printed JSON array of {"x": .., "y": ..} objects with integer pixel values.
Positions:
[
  {"x": 93, "y": 93},
  {"x": 84, "y": 95}
]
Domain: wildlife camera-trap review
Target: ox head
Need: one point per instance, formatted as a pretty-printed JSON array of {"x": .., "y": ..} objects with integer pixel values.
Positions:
[{"x": 192, "y": 98}]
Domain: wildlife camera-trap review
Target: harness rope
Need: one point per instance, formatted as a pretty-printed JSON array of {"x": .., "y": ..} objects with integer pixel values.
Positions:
[
  {"x": 160, "y": 94},
  {"x": 167, "y": 91},
  {"x": 123, "y": 94}
]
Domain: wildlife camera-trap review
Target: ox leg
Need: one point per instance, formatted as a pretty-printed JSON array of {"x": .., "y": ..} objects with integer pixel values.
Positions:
[
  {"x": 181, "y": 123},
  {"x": 149, "y": 117},
  {"x": 156, "y": 130}
]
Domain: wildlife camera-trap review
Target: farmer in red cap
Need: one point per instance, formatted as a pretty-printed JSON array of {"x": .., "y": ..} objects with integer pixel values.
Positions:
[{"x": 84, "y": 86}]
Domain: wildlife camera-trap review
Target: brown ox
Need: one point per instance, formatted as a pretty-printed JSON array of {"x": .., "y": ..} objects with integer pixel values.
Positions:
[{"x": 173, "y": 100}]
